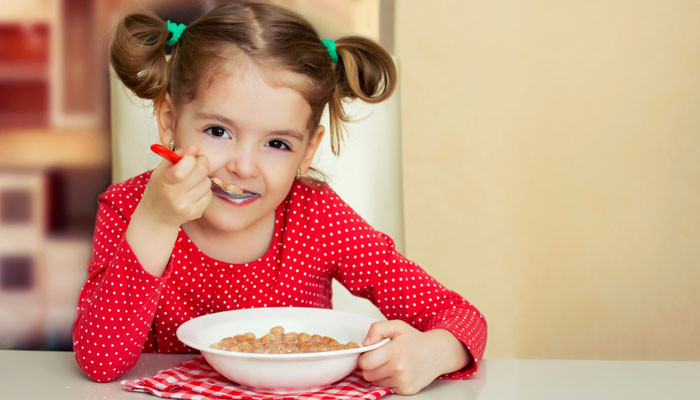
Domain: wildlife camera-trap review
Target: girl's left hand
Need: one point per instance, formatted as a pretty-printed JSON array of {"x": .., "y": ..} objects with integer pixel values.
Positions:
[{"x": 412, "y": 359}]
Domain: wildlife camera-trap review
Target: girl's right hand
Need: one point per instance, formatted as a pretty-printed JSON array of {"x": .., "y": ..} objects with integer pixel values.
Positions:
[{"x": 177, "y": 193}]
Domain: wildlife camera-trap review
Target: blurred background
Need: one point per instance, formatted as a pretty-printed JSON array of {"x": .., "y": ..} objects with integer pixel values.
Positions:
[{"x": 550, "y": 162}]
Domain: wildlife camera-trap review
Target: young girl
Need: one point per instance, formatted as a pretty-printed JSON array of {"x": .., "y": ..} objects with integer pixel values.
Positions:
[{"x": 241, "y": 98}]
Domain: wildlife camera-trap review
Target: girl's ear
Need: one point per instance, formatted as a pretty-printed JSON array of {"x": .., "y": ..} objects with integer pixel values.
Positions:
[
  {"x": 311, "y": 148},
  {"x": 165, "y": 114}
]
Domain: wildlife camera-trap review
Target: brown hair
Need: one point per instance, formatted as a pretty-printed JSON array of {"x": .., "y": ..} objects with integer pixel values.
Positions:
[{"x": 270, "y": 36}]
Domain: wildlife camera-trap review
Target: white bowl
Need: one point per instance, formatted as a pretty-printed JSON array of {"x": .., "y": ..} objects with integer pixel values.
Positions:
[{"x": 280, "y": 372}]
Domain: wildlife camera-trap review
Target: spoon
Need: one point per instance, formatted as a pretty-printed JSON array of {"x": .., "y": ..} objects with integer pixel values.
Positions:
[{"x": 233, "y": 192}]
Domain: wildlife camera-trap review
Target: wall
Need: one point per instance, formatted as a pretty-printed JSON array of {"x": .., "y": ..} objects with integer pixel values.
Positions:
[
  {"x": 553, "y": 147},
  {"x": 54, "y": 161}
]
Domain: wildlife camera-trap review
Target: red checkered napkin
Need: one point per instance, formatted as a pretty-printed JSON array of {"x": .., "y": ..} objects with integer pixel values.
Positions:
[{"x": 196, "y": 380}]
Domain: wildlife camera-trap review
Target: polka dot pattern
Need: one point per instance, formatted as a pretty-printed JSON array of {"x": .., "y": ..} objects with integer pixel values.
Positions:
[{"x": 123, "y": 310}]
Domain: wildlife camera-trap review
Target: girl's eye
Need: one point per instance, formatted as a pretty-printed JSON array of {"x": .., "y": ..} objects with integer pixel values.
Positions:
[
  {"x": 278, "y": 144},
  {"x": 217, "y": 131}
]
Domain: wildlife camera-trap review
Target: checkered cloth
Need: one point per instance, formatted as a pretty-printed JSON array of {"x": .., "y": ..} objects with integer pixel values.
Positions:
[{"x": 196, "y": 380}]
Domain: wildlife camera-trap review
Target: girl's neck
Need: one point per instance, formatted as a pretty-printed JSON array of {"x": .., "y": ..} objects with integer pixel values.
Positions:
[{"x": 238, "y": 247}]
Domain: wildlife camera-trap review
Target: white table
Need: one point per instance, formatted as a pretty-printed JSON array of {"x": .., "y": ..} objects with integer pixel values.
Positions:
[{"x": 55, "y": 375}]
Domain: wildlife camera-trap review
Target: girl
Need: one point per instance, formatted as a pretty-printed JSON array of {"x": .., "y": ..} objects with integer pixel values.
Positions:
[{"x": 241, "y": 98}]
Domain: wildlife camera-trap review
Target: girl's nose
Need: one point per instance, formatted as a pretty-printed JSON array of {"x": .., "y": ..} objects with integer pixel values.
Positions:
[{"x": 242, "y": 163}]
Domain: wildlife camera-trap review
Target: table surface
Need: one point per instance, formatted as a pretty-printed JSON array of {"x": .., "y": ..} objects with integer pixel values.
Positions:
[{"x": 55, "y": 375}]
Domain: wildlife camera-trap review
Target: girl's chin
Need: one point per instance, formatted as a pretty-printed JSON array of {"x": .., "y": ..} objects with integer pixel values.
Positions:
[
  {"x": 227, "y": 218},
  {"x": 226, "y": 223}
]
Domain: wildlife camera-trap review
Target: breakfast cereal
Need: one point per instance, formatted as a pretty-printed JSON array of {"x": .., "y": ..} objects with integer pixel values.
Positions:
[{"x": 279, "y": 342}]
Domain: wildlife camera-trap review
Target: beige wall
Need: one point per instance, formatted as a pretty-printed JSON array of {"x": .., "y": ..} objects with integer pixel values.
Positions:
[{"x": 551, "y": 169}]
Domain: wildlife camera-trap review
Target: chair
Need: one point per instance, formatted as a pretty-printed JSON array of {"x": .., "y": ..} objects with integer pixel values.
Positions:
[{"x": 367, "y": 175}]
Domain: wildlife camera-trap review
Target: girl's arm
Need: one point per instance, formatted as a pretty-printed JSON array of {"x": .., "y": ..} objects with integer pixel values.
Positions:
[
  {"x": 119, "y": 299},
  {"x": 151, "y": 241},
  {"x": 135, "y": 232},
  {"x": 403, "y": 291},
  {"x": 368, "y": 264},
  {"x": 175, "y": 194}
]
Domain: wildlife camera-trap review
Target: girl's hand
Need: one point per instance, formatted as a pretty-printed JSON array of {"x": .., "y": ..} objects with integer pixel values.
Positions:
[
  {"x": 412, "y": 359},
  {"x": 177, "y": 193}
]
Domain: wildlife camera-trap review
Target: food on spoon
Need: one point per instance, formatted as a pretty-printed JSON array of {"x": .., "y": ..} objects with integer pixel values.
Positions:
[
  {"x": 234, "y": 188},
  {"x": 217, "y": 180},
  {"x": 279, "y": 342},
  {"x": 231, "y": 187}
]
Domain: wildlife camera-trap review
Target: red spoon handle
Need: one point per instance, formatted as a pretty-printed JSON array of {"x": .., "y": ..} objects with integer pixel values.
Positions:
[{"x": 166, "y": 153}]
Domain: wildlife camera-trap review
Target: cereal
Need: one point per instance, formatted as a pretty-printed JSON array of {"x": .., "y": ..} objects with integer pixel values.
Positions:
[
  {"x": 279, "y": 342},
  {"x": 231, "y": 187}
]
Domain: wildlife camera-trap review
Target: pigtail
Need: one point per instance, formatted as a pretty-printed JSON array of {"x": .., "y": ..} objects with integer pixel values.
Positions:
[
  {"x": 364, "y": 71},
  {"x": 137, "y": 54}
]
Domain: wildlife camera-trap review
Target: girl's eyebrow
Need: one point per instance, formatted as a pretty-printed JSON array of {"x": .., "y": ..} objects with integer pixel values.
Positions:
[{"x": 284, "y": 132}]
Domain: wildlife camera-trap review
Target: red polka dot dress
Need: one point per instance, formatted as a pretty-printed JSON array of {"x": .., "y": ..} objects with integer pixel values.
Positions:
[{"x": 123, "y": 310}]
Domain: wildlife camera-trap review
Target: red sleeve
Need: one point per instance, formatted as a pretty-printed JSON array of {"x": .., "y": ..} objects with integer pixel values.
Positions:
[
  {"x": 368, "y": 265},
  {"x": 118, "y": 301}
]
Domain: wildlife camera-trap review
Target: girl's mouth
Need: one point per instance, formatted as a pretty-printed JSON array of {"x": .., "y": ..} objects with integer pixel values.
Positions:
[{"x": 238, "y": 201}]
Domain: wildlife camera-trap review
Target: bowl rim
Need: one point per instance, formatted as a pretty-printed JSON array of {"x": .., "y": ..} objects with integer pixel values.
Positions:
[{"x": 292, "y": 356}]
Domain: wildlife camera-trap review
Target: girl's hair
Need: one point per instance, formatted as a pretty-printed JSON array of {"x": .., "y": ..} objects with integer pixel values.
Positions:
[{"x": 268, "y": 35}]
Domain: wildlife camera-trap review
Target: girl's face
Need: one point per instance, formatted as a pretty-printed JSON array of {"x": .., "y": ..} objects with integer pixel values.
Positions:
[{"x": 254, "y": 135}]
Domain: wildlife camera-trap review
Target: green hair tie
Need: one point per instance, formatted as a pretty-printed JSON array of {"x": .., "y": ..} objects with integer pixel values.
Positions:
[
  {"x": 176, "y": 30},
  {"x": 330, "y": 46}
]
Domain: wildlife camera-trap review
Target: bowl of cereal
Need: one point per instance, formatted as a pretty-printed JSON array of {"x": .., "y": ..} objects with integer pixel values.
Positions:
[{"x": 280, "y": 349}]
